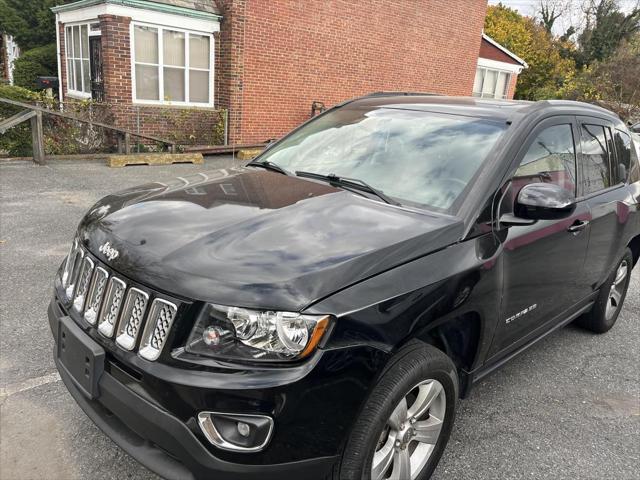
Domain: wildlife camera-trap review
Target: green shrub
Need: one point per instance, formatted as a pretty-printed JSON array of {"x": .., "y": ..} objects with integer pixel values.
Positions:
[
  {"x": 17, "y": 140},
  {"x": 34, "y": 63}
]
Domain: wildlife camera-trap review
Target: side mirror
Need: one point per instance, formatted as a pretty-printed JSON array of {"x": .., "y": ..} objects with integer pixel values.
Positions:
[{"x": 544, "y": 201}]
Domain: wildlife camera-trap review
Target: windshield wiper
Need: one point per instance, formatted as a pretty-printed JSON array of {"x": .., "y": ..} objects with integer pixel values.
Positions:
[
  {"x": 355, "y": 183},
  {"x": 269, "y": 166}
]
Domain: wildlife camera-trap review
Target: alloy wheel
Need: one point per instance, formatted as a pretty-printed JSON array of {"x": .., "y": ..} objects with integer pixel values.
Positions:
[
  {"x": 617, "y": 290},
  {"x": 411, "y": 433}
]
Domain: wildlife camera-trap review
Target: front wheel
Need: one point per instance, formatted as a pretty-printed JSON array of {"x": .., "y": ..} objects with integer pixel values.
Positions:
[{"x": 407, "y": 420}]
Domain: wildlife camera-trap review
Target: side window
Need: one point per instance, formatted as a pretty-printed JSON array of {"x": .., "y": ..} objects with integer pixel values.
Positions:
[
  {"x": 624, "y": 151},
  {"x": 551, "y": 158},
  {"x": 595, "y": 159}
]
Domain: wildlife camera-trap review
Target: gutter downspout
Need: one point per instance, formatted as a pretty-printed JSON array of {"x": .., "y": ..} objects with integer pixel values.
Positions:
[{"x": 58, "y": 55}]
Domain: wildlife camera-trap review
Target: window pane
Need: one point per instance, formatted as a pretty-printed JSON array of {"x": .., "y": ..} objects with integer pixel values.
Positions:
[
  {"x": 78, "y": 75},
  {"x": 501, "y": 85},
  {"x": 86, "y": 72},
  {"x": 623, "y": 149},
  {"x": 84, "y": 36},
  {"x": 594, "y": 159},
  {"x": 174, "y": 84},
  {"x": 198, "y": 51},
  {"x": 146, "y": 44},
  {"x": 551, "y": 158},
  {"x": 477, "y": 84},
  {"x": 147, "y": 83},
  {"x": 199, "y": 86},
  {"x": 69, "y": 41},
  {"x": 489, "y": 85},
  {"x": 76, "y": 42},
  {"x": 70, "y": 75},
  {"x": 173, "y": 48}
]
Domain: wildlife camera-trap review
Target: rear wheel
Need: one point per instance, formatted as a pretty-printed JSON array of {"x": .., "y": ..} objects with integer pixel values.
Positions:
[
  {"x": 407, "y": 420},
  {"x": 606, "y": 309}
]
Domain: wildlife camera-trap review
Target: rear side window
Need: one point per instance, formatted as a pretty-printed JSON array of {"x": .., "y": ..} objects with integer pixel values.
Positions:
[
  {"x": 595, "y": 159},
  {"x": 625, "y": 156}
]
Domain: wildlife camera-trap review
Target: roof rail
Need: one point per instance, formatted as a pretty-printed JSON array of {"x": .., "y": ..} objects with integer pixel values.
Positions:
[{"x": 406, "y": 94}]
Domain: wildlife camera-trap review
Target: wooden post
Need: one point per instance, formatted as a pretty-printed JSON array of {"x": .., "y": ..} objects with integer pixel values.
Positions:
[
  {"x": 37, "y": 138},
  {"x": 127, "y": 143}
]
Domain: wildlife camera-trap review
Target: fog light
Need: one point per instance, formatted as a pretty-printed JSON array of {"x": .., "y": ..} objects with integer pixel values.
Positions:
[
  {"x": 244, "y": 429},
  {"x": 236, "y": 432}
]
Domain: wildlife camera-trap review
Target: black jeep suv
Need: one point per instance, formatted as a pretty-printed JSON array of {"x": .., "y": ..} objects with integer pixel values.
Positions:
[{"x": 317, "y": 313}]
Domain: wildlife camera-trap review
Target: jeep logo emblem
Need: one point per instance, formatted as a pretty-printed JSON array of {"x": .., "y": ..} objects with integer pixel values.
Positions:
[{"x": 108, "y": 251}]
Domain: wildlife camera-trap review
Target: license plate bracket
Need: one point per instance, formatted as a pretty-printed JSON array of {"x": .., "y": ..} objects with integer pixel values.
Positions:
[{"x": 80, "y": 357}]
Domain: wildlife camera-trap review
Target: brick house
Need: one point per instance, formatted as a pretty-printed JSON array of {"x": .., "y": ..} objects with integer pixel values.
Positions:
[{"x": 165, "y": 67}]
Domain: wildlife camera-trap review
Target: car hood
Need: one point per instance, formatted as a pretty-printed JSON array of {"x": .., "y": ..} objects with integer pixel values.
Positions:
[{"x": 256, "y": 238}]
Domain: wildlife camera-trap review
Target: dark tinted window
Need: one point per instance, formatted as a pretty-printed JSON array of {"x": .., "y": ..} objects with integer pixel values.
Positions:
[
  {"x": 595, "y": 160},
  {"x": 551, "y": 158},
  {"x": 624, "y": 152}
]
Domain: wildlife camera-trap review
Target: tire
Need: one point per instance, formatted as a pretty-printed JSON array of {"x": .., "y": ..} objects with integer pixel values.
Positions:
[
  {"x": 606, "y": 308},
  {"x": 417, "y": 368}
]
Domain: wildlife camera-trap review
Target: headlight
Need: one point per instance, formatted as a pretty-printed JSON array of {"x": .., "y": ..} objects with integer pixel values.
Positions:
[{"x": 242, "y": 334}]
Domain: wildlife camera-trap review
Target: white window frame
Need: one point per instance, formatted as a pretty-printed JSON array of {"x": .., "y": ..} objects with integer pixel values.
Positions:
[
  {"x": 160, "y": 65},
  {"x": 483, "y": 94},
  {"x": 70, "y": 91}
]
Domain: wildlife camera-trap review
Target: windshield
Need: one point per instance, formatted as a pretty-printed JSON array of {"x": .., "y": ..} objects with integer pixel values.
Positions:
[{"x": 414, "y": 157}]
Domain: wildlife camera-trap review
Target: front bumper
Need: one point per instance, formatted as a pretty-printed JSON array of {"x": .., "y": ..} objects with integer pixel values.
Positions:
[{"x": 153, "y": 419}]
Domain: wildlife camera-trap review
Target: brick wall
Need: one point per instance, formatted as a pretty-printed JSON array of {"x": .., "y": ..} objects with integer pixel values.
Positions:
[
  {"x": 229, "y": 63},
  {"x": 512, "y": 86},
  {"x": 491, "y": 52},
  {"x": 116, "y": 60},
  {"x": 289, "y": 53},
  {"x": 63, "y": 58},
  {"x": 273, "y": 59}
]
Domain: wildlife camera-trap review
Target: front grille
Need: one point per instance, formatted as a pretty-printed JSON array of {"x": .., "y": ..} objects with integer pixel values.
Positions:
[{"x": 106, "y": 301}]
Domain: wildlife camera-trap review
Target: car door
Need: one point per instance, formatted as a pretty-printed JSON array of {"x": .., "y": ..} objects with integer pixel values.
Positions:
[
  {"x": 542, "y": 263},
  {"x": 603, "y": 174}
]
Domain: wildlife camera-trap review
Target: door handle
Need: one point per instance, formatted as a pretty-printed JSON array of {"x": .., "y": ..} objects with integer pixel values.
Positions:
[{"x": 578, "y": 226}]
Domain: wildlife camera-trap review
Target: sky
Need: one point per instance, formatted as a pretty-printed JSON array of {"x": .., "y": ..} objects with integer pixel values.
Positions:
[{"x": 572, "y": 16}]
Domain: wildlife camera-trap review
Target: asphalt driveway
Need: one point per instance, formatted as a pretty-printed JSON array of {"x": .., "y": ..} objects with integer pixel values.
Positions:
[{"x": 568, "y": 408}]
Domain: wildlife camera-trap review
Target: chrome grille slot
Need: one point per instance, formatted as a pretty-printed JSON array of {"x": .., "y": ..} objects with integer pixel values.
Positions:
[
  {"x": 84, "y": 279},
  {"x": 131, "y": 318},
  {"x": 96, "y": 293},
  {"x": 78, "y": 255},
  {"x": 111, "y": 307},
  {"x": 68, "y": 264},
  {"x": 157, "y": 328}
]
